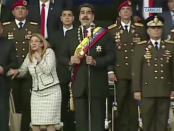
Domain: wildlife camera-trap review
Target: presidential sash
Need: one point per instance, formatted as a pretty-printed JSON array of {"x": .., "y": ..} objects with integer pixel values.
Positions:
[{"x": 86, "y": 45}]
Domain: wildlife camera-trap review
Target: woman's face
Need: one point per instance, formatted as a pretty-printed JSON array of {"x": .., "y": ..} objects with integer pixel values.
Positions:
[{"x": 35, "y": 44}]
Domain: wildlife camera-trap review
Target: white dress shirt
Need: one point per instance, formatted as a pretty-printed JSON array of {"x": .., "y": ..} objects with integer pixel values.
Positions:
[
  {"x": 65, "y": 29},
  {"x": 153, "y": 42},
  {"x": 17, "y": 22},
  {"x": 128, "y": 25}
]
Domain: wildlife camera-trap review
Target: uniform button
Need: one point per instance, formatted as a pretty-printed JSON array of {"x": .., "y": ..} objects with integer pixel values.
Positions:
[
  {"x": 145, "y": 83},
  {"x": 126, "y": 64},
  {"x": 119, "y": 47},
  {"x": 162, "y": 71},
  {"x": 16, "y": 42},
  {"x": 132, "y": 50},
  {"x": 125, "y": 44},
  {"x": 117, "y": 65},
  {"x": 132, "y": 43},
  {"x": 126, "y": 57},
  {"x": 161, "y": 65},
  {"x": 155, "y": 71},
  {"x": 16, "y": 49},
  {"x": 162, "y": 77},
  {"x": 161, "y": 58},
  {"x": 23, "y": 42},
  {"x": 156, "y": 59},
  {"x": 155, "y": 65},
  {"x": 17, "y": 56},
  {"x": 125, "y": 50},
  {"x": 23, "y": 49},
  {"x": 23, "y": 56},
  {"x": 156, "y": 77}
]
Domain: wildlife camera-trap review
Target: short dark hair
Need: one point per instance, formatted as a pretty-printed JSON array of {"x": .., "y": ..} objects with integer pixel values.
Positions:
[
  {"x": 87, "y": 5},
  {"x": 67, "y": 9}
]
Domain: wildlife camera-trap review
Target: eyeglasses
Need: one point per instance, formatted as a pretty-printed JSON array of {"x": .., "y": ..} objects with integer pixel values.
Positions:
[{"x": 37, "y": 41}]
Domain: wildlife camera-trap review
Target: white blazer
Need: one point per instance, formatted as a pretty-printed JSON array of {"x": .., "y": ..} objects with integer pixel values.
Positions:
[{"x": 43, "y": 74}]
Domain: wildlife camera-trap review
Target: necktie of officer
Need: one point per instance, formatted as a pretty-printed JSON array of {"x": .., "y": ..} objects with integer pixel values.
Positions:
[
  {"x": 43, "y": 19},
  {"x": 126, "y": 28},
  {"x": 156, "y": 45},
  {"x": 20, "y": 25}
]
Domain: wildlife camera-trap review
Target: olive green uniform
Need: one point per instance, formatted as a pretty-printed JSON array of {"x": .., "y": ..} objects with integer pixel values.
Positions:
[
  {"x": 21, "y": 86},
  {"x": 153, "y": 76},
  {"x": 125, "y": 42}
]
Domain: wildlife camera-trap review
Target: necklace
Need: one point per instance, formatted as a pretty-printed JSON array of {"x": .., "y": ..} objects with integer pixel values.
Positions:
[{"x": 79, "y": 36}]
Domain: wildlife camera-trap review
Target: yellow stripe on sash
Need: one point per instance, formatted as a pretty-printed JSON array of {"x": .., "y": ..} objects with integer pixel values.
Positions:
[{"x": 80, "y": 50}]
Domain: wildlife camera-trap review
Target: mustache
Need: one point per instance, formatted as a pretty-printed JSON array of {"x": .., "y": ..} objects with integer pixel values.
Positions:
[{"x": 85, "y": 18}]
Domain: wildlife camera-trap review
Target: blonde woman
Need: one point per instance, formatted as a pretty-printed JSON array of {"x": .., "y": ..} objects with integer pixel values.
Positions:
[{"x": 46, "y": 93}]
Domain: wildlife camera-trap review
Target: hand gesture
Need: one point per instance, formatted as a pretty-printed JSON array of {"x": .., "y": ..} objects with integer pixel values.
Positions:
[
  {"x": 13, "y": 73},
  {"x": 1, "y": 70},
  {"x": 137, "y": 96},
  {"x": 37, "y": 56},
  {"x": 90, "y": 60},
  {"x": 112, "y": 77},
  {"x": 74, "y": 60}
]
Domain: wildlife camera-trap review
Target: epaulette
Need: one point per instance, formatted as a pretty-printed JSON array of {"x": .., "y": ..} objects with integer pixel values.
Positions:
[
  {"x": 138, "y": 24},
  {"x": 112, "y": 26},
  {"x": 169, "y": 41},
  {"x": 6, "y": 23},
  {"x": 172, "y": 30},
  {"x": 142, "y": 42},
  {"x": 33, "y": 23}
]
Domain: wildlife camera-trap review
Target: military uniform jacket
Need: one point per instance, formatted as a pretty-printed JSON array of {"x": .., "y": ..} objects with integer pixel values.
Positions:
[
  {"x": 104, "y": 54},
  {"x": 20, "y": 37},
  {"x": 152, "y": 70},
  {"x": 124, "y": 43}
]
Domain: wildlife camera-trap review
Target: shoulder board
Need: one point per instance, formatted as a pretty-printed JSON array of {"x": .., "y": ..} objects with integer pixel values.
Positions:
[
  {"x": 172, "y": 30},
  {"x": 142, "y": 42},
  {"x": 33, "y": 23},
  {"x": 169, "y": 41},
  {"x": 138, "y": 24},
  {"x": 112, "y": 26},
  {"x": 6, "y": 23}
]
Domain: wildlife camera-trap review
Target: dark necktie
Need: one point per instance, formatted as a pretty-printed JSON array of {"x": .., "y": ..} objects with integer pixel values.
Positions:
[
  {"x": 156, "y": 45},
  {"x": 20, "y": 25},
  {"x": 126, "y": 28},
  {"x": 43, "y": 20},
  {"x": 86, "y": 33}
]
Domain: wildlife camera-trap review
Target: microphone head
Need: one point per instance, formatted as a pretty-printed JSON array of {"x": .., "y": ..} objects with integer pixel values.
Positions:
[
  {"x": 92, "y": 26},
  {"x": 84, "y": 25}
]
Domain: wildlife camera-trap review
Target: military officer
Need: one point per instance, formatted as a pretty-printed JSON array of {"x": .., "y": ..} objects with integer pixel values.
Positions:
[
  {"x": 152, "y": 76},
  {"x": 19, "y": 31},
  {"x": 126, "y": 34}
]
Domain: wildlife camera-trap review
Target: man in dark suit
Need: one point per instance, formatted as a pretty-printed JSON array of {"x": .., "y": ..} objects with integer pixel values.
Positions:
[
  {"x": 19, "y": 31},
  {"x": 64, "y": 74},
  {"x": 52, "y": 19},
  {"x": 152, "y": 75},
  {"x": 126, "y": 34},
  {"x": 7, "y": 60},
  {"x": 89, "y": 65},
  {"x": 168, "y": 16}
]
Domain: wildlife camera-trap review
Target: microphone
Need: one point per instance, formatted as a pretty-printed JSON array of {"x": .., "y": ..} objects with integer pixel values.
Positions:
[
  {"x": 84, "y": 30},
  {"x": 92, "y": 29}
]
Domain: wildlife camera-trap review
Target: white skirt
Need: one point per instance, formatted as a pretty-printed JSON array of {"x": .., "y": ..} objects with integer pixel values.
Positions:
[{"x": 46, "y": 106}]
